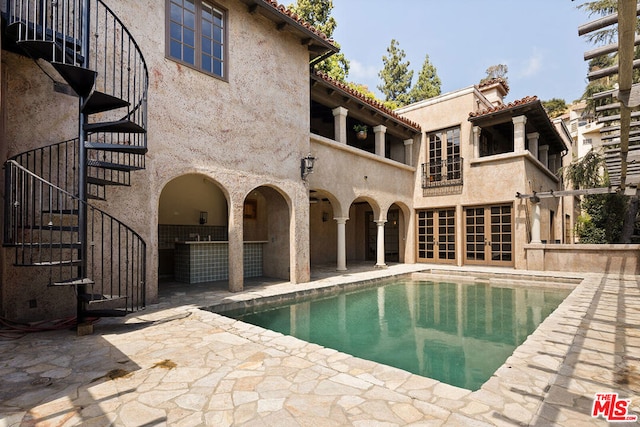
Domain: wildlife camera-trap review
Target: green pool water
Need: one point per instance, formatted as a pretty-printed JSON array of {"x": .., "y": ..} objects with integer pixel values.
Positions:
[{"x": 457, "y": 333}]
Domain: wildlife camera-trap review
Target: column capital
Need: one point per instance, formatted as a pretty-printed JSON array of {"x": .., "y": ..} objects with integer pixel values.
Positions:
[
  {"x": 476, "y": 129},
  {"x": 519, "y": 120},
  {"x": 379, "y": 128},
  {"x": 341, "y": 220},
  {"x": 533, "y": 135},
  {"x": 543, "y": 148},
  {"x": 408, "y": 142},
  {"x": 340, "y": 111},
  {"x": 380, "y": 222}
]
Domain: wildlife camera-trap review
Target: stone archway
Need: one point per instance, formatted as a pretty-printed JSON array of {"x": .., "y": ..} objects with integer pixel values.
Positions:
[
  {"x": 266, "y": 234},
  {"x": 191, "y": 208}
]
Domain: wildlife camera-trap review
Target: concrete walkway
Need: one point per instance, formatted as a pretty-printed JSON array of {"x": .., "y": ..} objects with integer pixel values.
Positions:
[{"x": 177, "y": 365}]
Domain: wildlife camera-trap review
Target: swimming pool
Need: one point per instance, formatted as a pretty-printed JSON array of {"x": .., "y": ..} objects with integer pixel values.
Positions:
[{"x": 458, "y": 333}]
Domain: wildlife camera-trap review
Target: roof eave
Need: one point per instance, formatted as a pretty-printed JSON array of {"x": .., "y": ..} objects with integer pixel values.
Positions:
[
  {"x": 316, "y": 43},
  {"x": 387, "y": 114}
]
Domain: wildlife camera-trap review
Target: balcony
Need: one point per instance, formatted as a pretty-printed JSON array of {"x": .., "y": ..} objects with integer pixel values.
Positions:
[{"x": 443, "y": 173}]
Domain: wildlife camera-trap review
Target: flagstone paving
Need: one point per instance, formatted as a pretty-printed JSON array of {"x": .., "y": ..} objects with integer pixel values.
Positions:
[{"x": 177, "y": 365}]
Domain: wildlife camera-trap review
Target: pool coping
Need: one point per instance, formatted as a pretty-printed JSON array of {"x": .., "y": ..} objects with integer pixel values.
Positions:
[{"x": 517, "y": 387}]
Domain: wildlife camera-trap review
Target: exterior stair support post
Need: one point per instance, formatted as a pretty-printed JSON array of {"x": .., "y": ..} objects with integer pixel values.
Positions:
[{"x": 82, "y": 171}]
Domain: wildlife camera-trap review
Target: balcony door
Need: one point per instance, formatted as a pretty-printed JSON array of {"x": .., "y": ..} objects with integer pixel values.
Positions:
[
  {"x": 489, "y": 235},
  {"x": 437, "y": 235}
]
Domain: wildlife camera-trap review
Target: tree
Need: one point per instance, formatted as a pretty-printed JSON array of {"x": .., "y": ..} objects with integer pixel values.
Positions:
[
  {"x": 601, "y": 8},
  {"x": 602, "y": 215},
  {"x": 428, "y": 84},
  {"x": 495, "y": 72},
  {"x": 555, "y": 107},
  {"x": 396, "y": 76},
  {"x": 318, "y": 14}
]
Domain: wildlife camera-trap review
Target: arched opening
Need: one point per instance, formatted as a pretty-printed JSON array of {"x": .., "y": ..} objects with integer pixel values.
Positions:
[
  {"x": 323, "y": 232},
  {"x": 361, "y": 231},
  {"x": 266, "y": 236},
  {"x": 192, "y": 208},
  {"x": 395, "y": 233}
]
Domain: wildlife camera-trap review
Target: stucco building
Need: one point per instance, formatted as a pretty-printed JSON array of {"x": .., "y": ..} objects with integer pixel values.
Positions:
[{"x": 194, "y": 129}]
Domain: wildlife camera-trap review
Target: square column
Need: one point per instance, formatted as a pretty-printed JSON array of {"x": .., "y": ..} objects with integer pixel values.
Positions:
[
  {"x": 476, "y": 142},
  {"x": 544, "y": 155},
  {"x": 408, "y": 152},
  {"x": 533, "y": 143},
  {"x": 236, "y": 247},
  {"x": 519, "y": 133},
  {"x": 340, "y": 124},
  {"x": 380, "y": 132},
  {"x": 553, "y": 167}
]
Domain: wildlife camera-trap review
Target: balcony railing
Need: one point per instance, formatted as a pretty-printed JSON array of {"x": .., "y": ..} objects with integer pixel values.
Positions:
[{"x": 442, "y": 173}]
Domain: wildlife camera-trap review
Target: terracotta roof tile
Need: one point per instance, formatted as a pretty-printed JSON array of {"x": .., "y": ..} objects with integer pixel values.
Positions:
[
  {"x": 371, "y": 102},
  {"x": 495, "y": 80},
  {"x": 287, "y": 12},
  {"x": 502, "y": 107}
]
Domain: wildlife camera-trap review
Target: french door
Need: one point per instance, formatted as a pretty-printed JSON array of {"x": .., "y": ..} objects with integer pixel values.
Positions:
[
  {"x": 489, "y": 235},
  {"x": 437, "y": 235}
]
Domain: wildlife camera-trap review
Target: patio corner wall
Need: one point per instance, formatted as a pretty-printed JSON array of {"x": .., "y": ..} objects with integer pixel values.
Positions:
[{"x": 616, "y": 259}]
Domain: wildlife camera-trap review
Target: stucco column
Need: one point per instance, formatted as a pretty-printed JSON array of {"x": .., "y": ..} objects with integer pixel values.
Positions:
[
  {"x": 380, "y": 132},
  {"x": 518, "y": 133},
  {"x": 533, "y": 143},
  {"x": 342, "y": 244},
  {"x": 544, "y": 155},
  {"x": 340, "y": 124},
  {"x": 553, "y": 158},
  {"x": 236, "y": 247},
  {"x": 408, "y": 152},
  {"x": 535, "y": 226},
  {"x": 476, "y": 142},
  {"x": 299, "y": 258},
  {"x": 380, "y": 245}
]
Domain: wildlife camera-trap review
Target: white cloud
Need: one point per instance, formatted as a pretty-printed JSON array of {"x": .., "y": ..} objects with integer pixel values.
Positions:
[
  {"x": 361, "y": 73},
  {"x": 532, "y": 65}
]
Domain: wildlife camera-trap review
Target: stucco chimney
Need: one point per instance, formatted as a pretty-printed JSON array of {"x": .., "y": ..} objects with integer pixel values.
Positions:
[{"x": 494, "y": 90}]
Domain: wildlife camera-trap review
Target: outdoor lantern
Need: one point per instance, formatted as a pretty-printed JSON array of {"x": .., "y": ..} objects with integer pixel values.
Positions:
[
  {"x": 204, "y": 217},
  {"x": 306, "y": 165}
]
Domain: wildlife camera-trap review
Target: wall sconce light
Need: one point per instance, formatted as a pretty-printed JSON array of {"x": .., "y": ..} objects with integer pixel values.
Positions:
[
  {"x": 306, "y": 165},
  {"x": 204, "y": 217}
]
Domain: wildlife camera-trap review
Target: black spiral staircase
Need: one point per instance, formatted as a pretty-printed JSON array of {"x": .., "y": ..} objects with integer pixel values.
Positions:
[{"x": 48, "y": 220}]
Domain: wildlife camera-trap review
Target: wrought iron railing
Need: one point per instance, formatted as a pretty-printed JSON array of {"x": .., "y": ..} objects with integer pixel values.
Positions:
[
  {"x": 41, "y": 223},
  {"x": 443, "y": 173},
  {"x": 121, "y": 71}
]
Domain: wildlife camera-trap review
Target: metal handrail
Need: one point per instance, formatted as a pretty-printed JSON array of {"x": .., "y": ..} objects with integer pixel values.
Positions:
[
  {"x": 39, "y": 224},
  {"x": 116, "y": 57}
]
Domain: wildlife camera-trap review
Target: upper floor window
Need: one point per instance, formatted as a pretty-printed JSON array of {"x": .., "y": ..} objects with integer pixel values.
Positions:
[
  {"x": 444, "y": 165},
  {"x": 197, "y": 35}
]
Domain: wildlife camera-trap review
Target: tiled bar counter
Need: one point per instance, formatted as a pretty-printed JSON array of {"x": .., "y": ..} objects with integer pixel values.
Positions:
[{"x": 208, "y": 261}]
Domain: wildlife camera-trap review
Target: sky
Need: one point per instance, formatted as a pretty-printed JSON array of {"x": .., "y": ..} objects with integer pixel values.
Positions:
[{"x": 537, "y": 40}]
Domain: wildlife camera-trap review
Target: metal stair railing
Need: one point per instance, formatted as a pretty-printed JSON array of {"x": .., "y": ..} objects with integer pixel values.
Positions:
[
  {"x": 40, "y": 223},
  {"x": 120, "y": 69}
]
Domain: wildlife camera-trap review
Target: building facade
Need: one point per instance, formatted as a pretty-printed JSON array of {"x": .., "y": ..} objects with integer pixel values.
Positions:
[{"x": 201, "y": 156}]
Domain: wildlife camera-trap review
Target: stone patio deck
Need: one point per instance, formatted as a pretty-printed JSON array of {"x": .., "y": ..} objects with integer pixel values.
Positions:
[{"x": 177, "y": 365}]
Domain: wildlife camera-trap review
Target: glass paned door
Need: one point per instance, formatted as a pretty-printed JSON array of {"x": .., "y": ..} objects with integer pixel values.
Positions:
[
  {"x": 489, "y": 235},
  {"x": 437, "y": 235}
]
